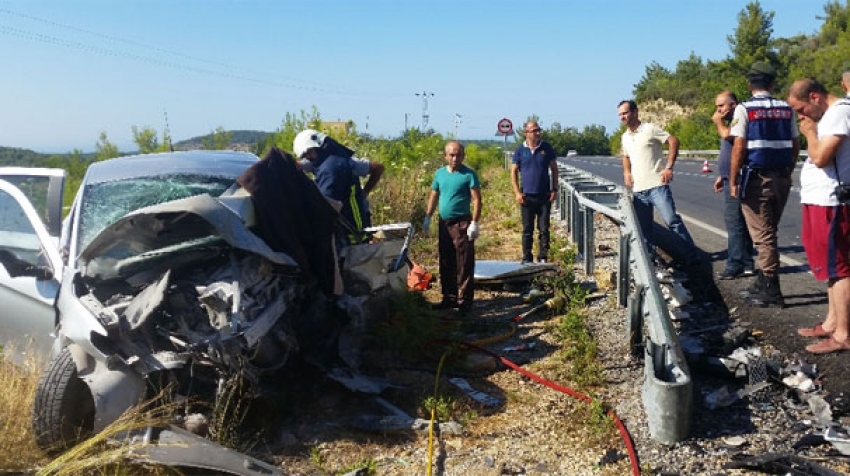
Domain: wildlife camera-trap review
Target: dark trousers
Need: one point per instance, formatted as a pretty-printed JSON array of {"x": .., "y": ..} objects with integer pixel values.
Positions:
[
  {"x": 738, "y": 243},
  {"x": 536, "y": 209},
  {"x": 457, "y": 261}
]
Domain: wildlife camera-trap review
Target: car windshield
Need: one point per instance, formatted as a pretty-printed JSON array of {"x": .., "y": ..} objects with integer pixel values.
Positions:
[{"x": 104, "y": 203}]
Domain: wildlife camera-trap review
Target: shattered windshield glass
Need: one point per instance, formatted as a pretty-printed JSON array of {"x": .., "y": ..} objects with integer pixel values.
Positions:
[{"x": 104, "y": 203}]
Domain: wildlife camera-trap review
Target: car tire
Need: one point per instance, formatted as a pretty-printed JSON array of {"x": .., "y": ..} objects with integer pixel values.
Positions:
[{"x": 63, "y": 412}]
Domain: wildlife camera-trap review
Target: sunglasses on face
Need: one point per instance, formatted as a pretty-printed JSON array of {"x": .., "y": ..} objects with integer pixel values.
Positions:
[{"x": 530, "y": 131}]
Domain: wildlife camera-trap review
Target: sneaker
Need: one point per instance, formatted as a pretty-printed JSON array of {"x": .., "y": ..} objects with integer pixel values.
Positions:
[
  {"x": 748, "y": 272},
  {"x": 541, "y": 260}
]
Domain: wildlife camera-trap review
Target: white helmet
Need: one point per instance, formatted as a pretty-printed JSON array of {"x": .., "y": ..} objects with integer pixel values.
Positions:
[{"x": 306, "y": 140}]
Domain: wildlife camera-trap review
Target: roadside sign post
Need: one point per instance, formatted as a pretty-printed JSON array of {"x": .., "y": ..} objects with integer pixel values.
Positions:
[{"x": 505, "y": 128}]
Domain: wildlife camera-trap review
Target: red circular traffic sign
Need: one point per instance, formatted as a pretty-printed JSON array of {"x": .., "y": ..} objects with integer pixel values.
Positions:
[{"x": 505, "y": 126}]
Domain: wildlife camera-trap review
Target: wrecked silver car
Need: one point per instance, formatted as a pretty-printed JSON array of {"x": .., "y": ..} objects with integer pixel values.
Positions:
[{"x": 186, "y": 270}]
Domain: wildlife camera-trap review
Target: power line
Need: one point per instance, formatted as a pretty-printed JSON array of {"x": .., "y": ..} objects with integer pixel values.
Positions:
[{"x": 235, "y": 73}]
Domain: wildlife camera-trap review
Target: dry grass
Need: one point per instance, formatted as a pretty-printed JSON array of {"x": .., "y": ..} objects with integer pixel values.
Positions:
[
  {"x": 18, "y": 451},
  {"x": 107, "y": 453}
]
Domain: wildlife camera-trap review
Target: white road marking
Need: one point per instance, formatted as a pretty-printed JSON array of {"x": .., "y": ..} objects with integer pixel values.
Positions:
[{"x": 717, "y": 231}]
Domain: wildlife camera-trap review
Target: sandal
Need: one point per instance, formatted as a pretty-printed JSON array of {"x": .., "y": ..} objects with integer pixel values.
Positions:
[
  {"x": 817, "y": 331},
  {"x": 827, "y": 346}
]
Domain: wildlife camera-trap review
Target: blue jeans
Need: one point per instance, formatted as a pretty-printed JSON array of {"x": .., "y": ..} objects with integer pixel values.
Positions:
[
  {"x": 661, "y": 198},
  {"x": 739, "y": 244}
]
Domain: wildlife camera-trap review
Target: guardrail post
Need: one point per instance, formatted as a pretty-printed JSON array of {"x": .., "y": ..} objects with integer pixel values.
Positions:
[
  {"x": 562, "y": 202},
  {"x": 634, "y": 311},
  {"x": 575, "y": 211},
  {"x": 623, "y": 277},
  {"x": 589, "y": 242},
  {"x": 578, "y": 228}
]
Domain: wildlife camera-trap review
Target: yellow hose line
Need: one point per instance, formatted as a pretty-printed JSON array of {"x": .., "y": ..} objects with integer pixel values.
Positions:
[
  {"x": 480, "y": 342},
  {"x": 433, "y": 412},
  {"x": 490, "y": 340}
]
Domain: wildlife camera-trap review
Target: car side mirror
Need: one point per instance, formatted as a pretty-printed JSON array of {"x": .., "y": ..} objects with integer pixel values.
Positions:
[
  {"x": 40, "y": 273},
  {"x": 17, "y": 267}
]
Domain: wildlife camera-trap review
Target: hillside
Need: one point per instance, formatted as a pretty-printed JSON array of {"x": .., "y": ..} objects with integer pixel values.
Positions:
[
  {"x": 18, "y": 157},
  {"x": 239, "y": 139},
  {"x": 21, "y": 157}
]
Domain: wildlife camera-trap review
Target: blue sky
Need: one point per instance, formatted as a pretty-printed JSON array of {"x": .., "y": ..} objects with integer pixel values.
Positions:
[{"x": 74, "y": 69}]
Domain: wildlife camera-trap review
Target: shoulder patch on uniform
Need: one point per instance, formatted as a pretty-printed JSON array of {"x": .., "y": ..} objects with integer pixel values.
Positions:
[{"x": 734, "y": 121}]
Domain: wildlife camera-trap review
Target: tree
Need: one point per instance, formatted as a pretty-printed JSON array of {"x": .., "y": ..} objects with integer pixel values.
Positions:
[
  {"x": 219, "y": 139},
  {"x": 751, "y": 40},
  {"x": 824, "y": 56},
  {"x": 105, "y": 149},
  {"x": 835, "y": 22},
  {"x": 146, "y": 139},
  {"x": 654, "y": 84}
]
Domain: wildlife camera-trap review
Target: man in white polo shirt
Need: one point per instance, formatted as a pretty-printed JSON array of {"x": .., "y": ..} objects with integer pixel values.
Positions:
[{"x": 648, "y": 175}]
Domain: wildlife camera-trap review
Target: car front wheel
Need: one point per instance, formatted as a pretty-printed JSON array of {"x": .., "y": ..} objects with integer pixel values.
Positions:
[{"x": 63, "y": 413}]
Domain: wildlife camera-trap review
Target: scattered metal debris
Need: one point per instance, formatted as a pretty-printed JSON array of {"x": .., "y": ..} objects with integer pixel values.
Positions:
[
  {"x": 520, "y": 347},
  {"x": 177, "y": 447},
  {"x": 786, "y": 464},
  {"x": 477, "y": 395},
  {"x": 501, "y": 272}
]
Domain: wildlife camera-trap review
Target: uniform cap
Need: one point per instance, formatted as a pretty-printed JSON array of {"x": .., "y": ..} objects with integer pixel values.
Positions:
[{"x": 761, "y": 69}]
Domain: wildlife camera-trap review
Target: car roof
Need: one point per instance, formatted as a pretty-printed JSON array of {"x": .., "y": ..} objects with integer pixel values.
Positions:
[{"x": 218, "y": 163}]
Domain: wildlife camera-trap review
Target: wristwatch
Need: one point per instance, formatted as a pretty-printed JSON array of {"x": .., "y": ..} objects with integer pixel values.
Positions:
[{"x": 669, "y": 167}]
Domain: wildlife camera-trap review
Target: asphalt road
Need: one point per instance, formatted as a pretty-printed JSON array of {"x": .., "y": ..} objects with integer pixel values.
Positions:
[{"x": 702, "y": 211}]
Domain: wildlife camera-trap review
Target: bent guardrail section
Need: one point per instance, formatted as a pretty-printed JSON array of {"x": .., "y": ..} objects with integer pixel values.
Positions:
[{"x": 667, "y": 388}]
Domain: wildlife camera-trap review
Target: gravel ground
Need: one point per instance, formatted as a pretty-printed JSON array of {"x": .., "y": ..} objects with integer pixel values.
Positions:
[
  {"x": 765, "y": 425},
  {"x": 533, "y": 429}
]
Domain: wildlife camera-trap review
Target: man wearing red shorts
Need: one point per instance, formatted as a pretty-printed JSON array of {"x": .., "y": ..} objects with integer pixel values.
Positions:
[{"x": 826, "y": 221}]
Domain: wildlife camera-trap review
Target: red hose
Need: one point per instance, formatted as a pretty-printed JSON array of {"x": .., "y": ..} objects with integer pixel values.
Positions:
[{"x": 627, "y": 439}]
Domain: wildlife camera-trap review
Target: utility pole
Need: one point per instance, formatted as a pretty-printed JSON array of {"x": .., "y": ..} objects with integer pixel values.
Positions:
[
  {"x": 167, "y": 134},
  {"x": 457, "y": 123},
  {"x": 425, "y": 108}
]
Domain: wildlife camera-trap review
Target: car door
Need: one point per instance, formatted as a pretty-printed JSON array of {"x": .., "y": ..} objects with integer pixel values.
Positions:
[{"x": 30, "y": 262}]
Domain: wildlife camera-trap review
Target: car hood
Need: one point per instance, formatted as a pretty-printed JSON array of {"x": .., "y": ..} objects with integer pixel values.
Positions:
[{"x": 174, "y": 232}]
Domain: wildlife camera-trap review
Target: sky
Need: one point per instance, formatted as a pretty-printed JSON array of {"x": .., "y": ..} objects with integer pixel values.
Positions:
[{"x": 73, "y": 69}]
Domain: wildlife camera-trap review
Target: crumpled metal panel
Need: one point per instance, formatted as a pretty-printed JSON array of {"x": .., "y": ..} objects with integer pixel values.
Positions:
[
  {"x": 177, "y": 447},
  {"x": 492, "y": 271},
  {"x": 170, "y": 228}
]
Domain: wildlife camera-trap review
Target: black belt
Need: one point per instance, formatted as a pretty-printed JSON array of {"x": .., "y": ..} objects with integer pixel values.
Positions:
[{"x": 772, "y": 170}]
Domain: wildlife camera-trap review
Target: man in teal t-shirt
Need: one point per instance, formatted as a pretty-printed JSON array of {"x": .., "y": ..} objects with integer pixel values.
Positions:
[{"x": 457, "y": 190}]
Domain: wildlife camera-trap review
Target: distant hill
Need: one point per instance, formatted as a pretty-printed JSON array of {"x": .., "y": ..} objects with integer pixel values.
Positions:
[
  {"x": 239, "y": 140},
  {"x": 20, "y": 157}
]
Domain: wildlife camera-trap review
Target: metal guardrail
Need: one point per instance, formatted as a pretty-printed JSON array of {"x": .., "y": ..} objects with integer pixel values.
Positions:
[
  {"x": 667, "y": 387},
  {"x": 714, "y": 153}
]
